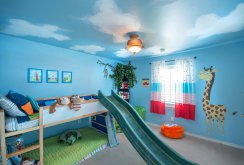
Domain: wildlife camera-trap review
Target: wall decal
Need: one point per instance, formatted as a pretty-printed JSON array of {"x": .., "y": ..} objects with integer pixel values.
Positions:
[
  {"x": 213, "y": 112},
  {"x": 105, "y": 70},
  {"x": 52, "y": 76},
  {"x": 34, "y": 75},
  {"x": 66, "y": 77}
]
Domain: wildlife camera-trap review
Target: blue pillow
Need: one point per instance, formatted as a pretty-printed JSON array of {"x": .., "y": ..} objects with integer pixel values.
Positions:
[
  {"x": 87, "y": 97},
  {"x": 49, "y": 102},
  {"x": 95, "y": 97},
  {"x": 22, "y": 119},
  {"x": 17, "y": 98},
  {"x": 41, "y": 103},
  {"x": 34, "y": 103}
]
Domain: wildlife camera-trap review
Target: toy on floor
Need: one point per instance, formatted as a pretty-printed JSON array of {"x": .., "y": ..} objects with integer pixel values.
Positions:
[
  {"x": 29, "y": 161},
  {"x": 70, "y": 136},
  {"x": 172, "y": 130}
]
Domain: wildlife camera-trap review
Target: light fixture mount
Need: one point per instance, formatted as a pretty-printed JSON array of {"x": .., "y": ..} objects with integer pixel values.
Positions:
[{"x": 134, "y": 44}]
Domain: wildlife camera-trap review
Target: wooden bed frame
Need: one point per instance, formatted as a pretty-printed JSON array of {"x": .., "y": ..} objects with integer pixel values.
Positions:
[{"x": 40, "y": 128}]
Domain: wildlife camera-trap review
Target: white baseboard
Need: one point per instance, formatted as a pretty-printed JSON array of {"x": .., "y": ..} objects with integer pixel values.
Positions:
[
  {"x": 153, "y": 124},
  {"x": 206, "y": 138}
]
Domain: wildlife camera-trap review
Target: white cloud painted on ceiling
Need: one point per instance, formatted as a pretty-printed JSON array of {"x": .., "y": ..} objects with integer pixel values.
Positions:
[
  {"x": 155, "y": 50},
  {"x": 212, "y": 24},
  {"x": 175, "y": 25},
  {"x": 122, "y": 53},
  {"x": 109, "y": 19},
  {"x": 91, "y": 49},
  {"x": 21, "y": 27}
]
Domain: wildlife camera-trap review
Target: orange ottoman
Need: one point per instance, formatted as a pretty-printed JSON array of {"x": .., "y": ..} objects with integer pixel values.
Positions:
[{"x": 173, "y": 131}]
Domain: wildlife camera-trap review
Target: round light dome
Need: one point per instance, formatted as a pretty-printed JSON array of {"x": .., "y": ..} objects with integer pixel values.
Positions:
[{"x": 134, "y": 45}]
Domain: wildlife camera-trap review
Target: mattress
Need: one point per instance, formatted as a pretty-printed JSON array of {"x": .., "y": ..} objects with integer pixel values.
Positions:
[{"x": 11, "y": 124}]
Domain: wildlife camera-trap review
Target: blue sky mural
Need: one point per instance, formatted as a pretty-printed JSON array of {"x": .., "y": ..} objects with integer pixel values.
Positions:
[{"x": 102, "y": 27}]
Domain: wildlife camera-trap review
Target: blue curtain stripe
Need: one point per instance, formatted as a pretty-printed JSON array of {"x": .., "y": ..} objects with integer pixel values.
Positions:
[
  {"x": 156, "y": 87},
  {"x": 189, "y": 87}
]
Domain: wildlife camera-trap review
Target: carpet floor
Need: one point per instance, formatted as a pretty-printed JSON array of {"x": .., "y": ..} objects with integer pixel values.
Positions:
[{"x": 195, "y": 149}]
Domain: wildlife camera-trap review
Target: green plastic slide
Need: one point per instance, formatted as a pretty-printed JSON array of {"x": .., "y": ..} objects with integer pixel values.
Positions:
[{"x": 147, "y": 144}]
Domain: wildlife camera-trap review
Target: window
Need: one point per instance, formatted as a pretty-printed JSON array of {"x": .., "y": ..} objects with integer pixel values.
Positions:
[
  {"x": 172, "y": 84},
  {"x": 170, "y": 79}
]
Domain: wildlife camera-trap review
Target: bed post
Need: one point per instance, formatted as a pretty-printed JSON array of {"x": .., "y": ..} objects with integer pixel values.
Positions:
[
  {"x": 41, "y": 136},
  {"x": 3, "y": 142}
]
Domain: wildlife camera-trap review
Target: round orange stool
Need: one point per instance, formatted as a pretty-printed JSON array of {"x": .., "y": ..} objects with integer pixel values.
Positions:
[{"x": 173, "y": 131}]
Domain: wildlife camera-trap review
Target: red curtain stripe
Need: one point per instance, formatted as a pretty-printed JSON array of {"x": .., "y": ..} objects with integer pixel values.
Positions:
[
  {"x": 186, "y": 111},
  {"x": 157, "y": 107}
]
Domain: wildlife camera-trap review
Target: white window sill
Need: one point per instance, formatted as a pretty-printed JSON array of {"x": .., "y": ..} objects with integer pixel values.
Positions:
[{"x": 170, "y": 105}]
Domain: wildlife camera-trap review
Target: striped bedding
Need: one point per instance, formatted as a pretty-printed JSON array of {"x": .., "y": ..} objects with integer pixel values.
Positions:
[{"x": 11, "y": 124}]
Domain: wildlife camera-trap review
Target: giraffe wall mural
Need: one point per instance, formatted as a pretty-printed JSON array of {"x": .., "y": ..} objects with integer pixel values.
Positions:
[{"x": 213, "y": 112}]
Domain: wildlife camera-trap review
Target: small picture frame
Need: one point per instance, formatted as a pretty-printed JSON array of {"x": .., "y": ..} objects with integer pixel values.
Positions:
[
  {"x": 34, "y": 75},
  {"x": 145, "y": 82},
  {"x": 51, "y": 76},
  {"x": 66, "y": 77}
]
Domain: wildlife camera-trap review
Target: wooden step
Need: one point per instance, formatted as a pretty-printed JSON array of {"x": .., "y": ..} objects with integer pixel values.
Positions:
[
  {"x": 27, "y": 149},
  {"x": 9, "y": 134}
]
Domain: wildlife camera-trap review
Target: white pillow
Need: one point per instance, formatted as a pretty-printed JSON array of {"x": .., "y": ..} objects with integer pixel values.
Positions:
[{"x": 10, "y": 108}]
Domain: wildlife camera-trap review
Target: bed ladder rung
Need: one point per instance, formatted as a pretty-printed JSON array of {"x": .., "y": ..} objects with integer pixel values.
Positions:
[
  {"x": 9, "y": 134},
  {"x": 27, "y": 149}
]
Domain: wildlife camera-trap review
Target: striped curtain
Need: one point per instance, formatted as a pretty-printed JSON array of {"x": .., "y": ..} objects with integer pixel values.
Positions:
[
  {"x": 185, "y": 102},
  {"x": 157, "y": 101}
]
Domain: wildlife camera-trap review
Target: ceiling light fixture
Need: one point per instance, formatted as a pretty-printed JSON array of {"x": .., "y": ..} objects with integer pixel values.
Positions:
[{"x": 134, "y": 44}]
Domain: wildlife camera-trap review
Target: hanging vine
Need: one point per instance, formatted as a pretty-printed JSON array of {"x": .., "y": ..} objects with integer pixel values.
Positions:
[
  {"x": 121, "y": 73},
  {"x": 124, "y": 73},
  {"x": 130, "y": 75},
  {"x": 118, "y": 75}
]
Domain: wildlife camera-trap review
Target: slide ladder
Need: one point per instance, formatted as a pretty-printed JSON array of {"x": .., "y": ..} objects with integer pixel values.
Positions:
[{"x": 147, "y": 144}]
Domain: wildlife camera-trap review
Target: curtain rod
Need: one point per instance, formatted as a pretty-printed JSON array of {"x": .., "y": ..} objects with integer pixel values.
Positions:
[{"x": 174, "y": 60}]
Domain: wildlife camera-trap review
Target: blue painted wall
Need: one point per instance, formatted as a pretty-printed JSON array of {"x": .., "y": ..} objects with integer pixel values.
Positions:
[
  {"x": 16, "y": 55},
  {"x": 228, "y": 89}
]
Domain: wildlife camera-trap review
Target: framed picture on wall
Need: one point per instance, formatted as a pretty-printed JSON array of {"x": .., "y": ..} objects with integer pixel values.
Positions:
[
  {"x": 34, "y": 75},
  {"x": 52, "y": 76},
  {"x": 66, "y": 77},
  {"x": 145, "y": 82}
]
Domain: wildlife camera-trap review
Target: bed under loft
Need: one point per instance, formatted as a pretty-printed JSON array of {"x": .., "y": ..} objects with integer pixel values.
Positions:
[{"x": 91, "y": 107}]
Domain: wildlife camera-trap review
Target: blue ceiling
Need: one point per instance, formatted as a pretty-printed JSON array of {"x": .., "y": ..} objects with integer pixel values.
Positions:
[{"x": 102, "y": 27}]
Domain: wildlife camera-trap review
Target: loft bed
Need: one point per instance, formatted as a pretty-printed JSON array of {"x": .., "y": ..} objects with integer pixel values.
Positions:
[{"x": 90, "y": 107}]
